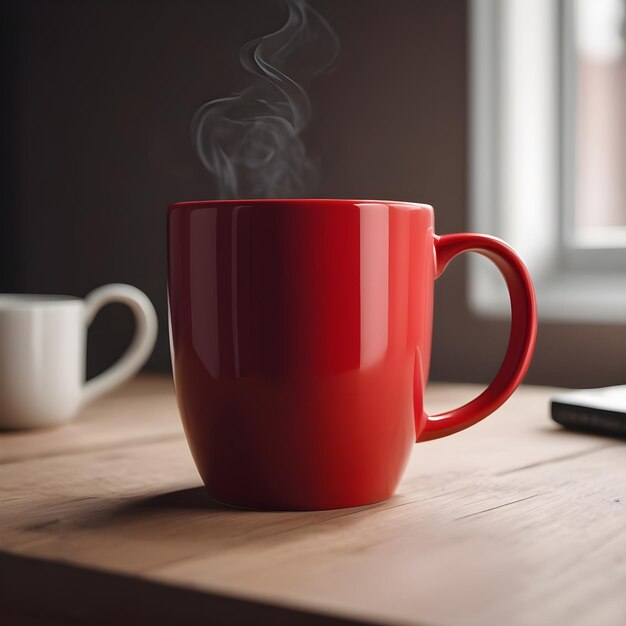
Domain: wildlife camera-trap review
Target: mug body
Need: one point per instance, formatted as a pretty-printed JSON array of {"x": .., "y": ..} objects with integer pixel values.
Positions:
[
  {"x": 42, "y": 359},
  {"x": 301, "y": 336}
]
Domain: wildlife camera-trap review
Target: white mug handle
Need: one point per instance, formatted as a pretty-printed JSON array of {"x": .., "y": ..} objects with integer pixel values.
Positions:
[{"x": 140, "y": 347}]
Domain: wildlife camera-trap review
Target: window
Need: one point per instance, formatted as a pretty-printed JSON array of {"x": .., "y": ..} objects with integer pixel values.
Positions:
[
  {"x": 597, "y": 43},
  {"x": 548, "y": 151}
]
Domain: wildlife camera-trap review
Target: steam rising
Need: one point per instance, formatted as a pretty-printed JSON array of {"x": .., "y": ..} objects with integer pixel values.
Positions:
[{"x": 251, "y": 141}]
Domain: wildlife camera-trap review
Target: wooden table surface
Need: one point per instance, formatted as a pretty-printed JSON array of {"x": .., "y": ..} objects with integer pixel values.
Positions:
[{"x": 514, "y": 521}]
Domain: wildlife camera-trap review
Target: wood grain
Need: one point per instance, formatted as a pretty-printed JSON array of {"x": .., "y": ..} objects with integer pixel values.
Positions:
[
  {"x": 514, "y": 521},
  {"x": 141, "y": 411}
]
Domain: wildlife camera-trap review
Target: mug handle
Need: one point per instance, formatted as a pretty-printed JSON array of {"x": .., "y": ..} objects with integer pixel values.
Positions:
[
  {"x": 521, "y": 340},
  {"x": 140, "y": 347}
]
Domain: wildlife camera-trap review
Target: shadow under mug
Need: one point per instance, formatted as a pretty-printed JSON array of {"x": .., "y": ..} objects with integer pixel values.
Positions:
[
  {"x": 43, "y": 350},
  {"x": 301, "y": 338}
]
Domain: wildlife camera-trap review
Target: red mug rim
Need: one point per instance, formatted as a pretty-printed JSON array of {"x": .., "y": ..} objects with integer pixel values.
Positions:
[{"x": 351, "y": 201}]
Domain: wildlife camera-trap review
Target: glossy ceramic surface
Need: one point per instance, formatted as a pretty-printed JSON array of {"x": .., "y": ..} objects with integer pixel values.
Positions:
[
  {"x": 301, "y": 338},
  {"x": 43, "y": 351}
]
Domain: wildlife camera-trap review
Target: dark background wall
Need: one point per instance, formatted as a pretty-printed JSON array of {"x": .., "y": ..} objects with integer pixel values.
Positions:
[{"x": 98, "y": 100}]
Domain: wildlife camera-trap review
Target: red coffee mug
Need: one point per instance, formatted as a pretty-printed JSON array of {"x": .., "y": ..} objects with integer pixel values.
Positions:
[{"x": 301, "y": 334}]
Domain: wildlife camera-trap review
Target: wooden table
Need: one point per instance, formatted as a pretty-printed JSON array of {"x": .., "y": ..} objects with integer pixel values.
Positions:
[{"x": 514, "y": 521}]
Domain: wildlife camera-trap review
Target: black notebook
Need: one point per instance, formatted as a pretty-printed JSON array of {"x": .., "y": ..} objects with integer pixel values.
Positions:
[{"x": 601, "y": 411}]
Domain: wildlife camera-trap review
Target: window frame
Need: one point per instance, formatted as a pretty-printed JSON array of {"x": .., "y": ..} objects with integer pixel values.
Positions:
[{"x": 522, "y": 163}]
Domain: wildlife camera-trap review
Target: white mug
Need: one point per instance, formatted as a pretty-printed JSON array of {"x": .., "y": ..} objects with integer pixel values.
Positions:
[{"x": 43, "y": 349}]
